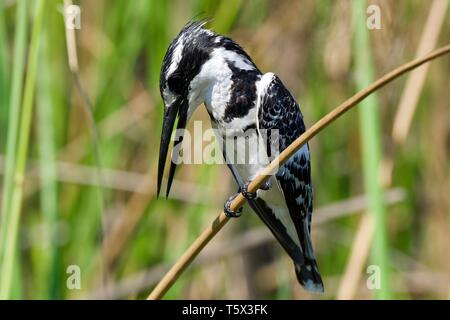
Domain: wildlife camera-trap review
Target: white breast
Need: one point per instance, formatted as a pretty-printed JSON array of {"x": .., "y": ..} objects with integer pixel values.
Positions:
[{"x": 212, "y": 86}]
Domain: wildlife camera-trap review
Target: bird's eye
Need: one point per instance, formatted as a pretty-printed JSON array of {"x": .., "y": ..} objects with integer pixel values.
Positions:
[{"x": 175, "y": 83}]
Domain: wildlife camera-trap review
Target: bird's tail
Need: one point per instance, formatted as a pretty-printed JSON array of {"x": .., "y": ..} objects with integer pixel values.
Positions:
[
  {"x": 308, "y": 275},
  {"x": 307, "y": 270}
]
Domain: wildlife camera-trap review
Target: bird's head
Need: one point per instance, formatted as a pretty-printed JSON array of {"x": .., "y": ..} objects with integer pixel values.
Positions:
[{"x": 182, "y": 62}]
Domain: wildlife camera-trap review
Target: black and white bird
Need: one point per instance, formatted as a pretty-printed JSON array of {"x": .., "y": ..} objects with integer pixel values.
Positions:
[{"x": 201, "y": 66}]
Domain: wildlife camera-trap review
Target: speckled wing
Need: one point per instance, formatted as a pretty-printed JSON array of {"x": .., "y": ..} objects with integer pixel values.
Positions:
[{"x": 279, "y": 110}]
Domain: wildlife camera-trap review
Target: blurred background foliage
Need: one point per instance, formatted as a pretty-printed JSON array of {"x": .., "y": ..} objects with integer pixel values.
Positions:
[{"x": 103, "y": 216}]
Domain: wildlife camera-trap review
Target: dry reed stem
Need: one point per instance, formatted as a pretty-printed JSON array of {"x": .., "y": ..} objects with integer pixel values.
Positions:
[
  {"x": 197, "y": 246},
  {"x": 358, "y": 257},
  {"x": 126, "y": 223},
  {"x": 71, "y": 44},
  {"x": 88, "y": 109},
  {"x": 416, "y": 80}
]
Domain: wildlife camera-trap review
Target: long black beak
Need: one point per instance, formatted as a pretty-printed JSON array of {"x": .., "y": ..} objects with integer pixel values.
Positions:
[{"x": 179, "y": 108}]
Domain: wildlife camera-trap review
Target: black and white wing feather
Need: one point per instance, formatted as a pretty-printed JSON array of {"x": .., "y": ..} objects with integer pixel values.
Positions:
[{"x": 277, "y": 109}]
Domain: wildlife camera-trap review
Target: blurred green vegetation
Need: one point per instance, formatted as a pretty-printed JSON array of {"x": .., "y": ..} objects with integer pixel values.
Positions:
[
  {"x": 371, "y": 145},
  {"x": 123, "y": 249}
]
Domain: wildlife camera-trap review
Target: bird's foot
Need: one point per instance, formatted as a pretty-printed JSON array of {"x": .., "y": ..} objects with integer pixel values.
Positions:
[
  {"x": 227, "y": 208},
  {"x": 247, "y": 194},
  {"x": 252, "y": 195},
  {"x": 266, "y": 185}
]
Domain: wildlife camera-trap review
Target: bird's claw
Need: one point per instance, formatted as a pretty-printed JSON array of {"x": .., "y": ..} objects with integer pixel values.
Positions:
[
  {"x": 228, "y": 211},
  {"x": 253, "y": 195},
  {"x": 247, "y": 194},
  {"x": 266, "y": 185}
]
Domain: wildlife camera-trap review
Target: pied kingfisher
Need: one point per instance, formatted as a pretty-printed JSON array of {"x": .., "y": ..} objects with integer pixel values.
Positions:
[{"x": 201, "y": 66}]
